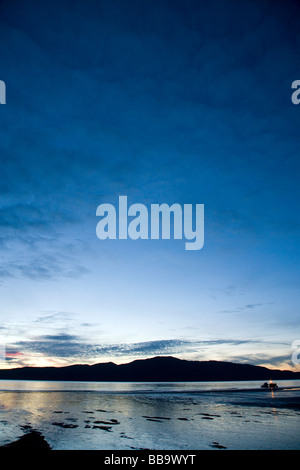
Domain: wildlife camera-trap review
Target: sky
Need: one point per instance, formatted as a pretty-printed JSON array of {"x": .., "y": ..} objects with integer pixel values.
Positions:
[{"x": 163, "y": 101}]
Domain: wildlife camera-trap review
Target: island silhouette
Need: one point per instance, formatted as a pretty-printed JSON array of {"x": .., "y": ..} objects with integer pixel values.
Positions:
[{"x": 156, "y": 369}]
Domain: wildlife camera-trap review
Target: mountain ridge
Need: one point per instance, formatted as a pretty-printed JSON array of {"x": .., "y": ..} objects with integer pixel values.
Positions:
[{"x": 155, "y": 369}]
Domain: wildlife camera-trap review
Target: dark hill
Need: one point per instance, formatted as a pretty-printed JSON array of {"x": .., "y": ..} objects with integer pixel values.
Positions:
[{"x": 157, "y": 369}]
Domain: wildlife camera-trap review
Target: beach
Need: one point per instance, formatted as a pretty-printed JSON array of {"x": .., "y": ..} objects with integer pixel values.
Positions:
[{"x": 152, "y": 416}]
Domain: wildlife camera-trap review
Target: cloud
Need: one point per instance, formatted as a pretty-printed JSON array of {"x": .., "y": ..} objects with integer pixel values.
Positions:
[
  {"x": 70, "y": 346},
  {"x": 73, "y": 347},
  {"x": 43, "y": 268},
  {"x": 266, "y": 360},
  {"x": 61, "y": 337},
  {"x": 247, "y": 307},
  {"x": 54, "y": 317},
  {"x": 41, "y": 257}
]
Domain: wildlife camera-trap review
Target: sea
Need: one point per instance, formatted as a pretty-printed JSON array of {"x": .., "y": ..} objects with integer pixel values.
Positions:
[{"x": 152, "y": 416}]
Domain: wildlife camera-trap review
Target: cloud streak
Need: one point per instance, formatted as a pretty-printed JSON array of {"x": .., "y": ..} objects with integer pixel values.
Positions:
[{"x": 72, "y": 346}]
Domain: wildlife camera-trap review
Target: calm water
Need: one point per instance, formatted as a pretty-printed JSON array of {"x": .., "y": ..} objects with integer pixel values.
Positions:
[{"x": 89, "y": 415}]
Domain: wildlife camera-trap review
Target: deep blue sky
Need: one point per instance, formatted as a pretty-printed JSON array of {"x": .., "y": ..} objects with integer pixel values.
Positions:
[{"x": 165, "y": 101}]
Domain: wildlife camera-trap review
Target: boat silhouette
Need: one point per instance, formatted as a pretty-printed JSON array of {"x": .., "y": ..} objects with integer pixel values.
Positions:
[{"x": 270, "y": 385}]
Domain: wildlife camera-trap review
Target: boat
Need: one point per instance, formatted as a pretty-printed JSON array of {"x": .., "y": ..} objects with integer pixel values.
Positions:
[{"x": 270, "y": 386}]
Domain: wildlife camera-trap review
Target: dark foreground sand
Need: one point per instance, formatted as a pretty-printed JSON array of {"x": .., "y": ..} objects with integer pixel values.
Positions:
[{"x": 31, "y": 440}]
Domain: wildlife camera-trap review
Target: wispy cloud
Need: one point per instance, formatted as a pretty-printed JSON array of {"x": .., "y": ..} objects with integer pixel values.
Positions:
[
  {"x": 54, "y": 317},
  {"x": 247, "y": 307},
  {"x": 266, "y": 360},
  {"x": 72, "y": 346}
]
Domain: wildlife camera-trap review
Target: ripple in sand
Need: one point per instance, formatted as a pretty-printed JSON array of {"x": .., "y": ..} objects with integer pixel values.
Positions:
[
  {"x": 155, "y": 417},
  {"x": 123, "y": 435},
  {"x": 65, "y": 425},
  {"x": 104, "y": 428},
  {"x": 111, "y": 421},
  {"x": 216, "y": 445},
  {"x": 25, "y": 427}
]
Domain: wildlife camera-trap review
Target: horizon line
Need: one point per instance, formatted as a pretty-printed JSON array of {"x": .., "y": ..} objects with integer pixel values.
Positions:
[{"x": 19, "y": 367}]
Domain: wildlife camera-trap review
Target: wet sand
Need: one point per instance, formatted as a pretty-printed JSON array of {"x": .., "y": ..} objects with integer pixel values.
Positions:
[{"x": 157, "y": 421}]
